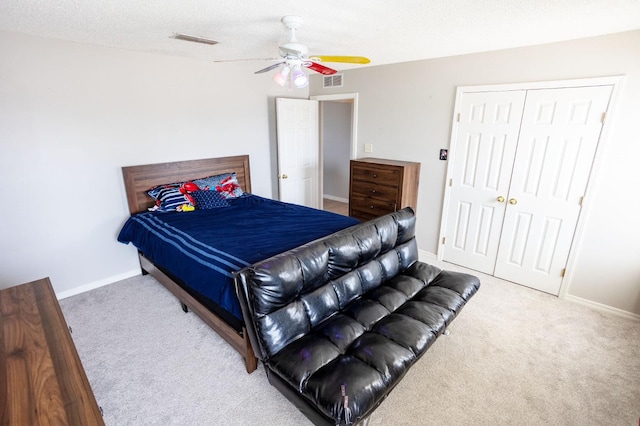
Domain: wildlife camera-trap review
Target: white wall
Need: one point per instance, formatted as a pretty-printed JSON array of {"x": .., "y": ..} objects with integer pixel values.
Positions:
[
  {"x": 406, "y": 111},
  {"x": 71, "y": 115}
]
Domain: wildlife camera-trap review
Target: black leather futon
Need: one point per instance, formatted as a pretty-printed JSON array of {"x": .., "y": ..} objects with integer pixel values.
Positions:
[{"x": 339, "y": 321}]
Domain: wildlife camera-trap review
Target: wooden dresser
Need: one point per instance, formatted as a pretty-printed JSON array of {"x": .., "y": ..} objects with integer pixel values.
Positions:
[
  {"x": 42, "y": 381},
  {"x": 378, "y": 186}
]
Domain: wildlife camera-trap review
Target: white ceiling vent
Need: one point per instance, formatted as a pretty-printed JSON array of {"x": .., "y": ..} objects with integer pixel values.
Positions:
[{"x": 334, "y": 80}]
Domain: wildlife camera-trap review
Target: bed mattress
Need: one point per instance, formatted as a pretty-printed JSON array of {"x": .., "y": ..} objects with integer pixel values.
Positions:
[{"x": 203, "y": 248}]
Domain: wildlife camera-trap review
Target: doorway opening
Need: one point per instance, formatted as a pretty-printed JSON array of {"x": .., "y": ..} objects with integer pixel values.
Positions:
[{"x": 338, "y": 145}]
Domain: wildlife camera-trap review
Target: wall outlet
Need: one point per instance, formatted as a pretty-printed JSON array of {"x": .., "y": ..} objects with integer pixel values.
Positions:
[{"x": 368, "y": 147}]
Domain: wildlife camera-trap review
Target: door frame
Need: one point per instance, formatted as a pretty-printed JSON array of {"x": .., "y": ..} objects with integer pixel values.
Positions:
[
  {"x": 354, "y": 131},
  {"x": 615, "y": 81}
]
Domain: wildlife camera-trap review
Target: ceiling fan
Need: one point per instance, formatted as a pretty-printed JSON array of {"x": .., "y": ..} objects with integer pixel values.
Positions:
[{"x": 295, "y": 55}]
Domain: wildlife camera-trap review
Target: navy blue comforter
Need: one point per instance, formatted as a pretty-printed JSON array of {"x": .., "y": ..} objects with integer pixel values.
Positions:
[{"x": 203, "y": 248}]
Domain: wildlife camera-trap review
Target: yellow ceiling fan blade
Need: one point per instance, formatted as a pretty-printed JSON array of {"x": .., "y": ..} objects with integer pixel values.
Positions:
[{"x": 347, "y": 59}]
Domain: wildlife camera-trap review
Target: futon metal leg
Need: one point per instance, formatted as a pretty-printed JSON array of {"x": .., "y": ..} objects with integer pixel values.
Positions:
[{"x": 446, "y": 332}]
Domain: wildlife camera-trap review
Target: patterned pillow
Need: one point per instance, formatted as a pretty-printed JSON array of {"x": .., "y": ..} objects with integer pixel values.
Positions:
[
  {"x": 170, "y": 196},
  {"x": 226, "y": 184},
  {"x": 206, "y": 199}
]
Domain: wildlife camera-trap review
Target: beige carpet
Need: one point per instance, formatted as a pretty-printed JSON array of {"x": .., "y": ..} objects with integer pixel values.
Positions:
[{"x": 515, "y": 356}]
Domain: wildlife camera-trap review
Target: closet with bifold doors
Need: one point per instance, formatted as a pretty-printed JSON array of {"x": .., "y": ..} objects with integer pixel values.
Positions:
[{"x": 519, "y": 167}]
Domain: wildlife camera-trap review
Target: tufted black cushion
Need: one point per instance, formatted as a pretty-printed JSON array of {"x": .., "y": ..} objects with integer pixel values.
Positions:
[{"x": 337, "y": 322}]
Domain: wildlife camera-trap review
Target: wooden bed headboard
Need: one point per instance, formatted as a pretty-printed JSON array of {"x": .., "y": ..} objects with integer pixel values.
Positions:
[{"x": 139, "y": 179}]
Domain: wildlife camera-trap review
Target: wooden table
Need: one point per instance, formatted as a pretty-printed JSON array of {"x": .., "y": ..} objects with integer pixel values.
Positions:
[{"x": 42, "y": 381}]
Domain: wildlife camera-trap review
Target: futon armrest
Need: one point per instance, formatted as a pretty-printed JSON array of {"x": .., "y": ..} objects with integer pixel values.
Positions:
[{"x": 464, "y": 284}]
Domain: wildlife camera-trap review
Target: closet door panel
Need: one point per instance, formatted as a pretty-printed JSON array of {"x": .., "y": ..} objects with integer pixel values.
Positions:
[
  {"x": 558, "y": 140},
  {"x": 485, "y": 146}
]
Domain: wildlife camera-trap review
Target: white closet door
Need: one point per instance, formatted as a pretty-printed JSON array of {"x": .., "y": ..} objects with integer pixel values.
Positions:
[
  {"x": 521, "y": 162},
  {"x": 485, "y": 146},
  {"x": 558, "y": 140}
]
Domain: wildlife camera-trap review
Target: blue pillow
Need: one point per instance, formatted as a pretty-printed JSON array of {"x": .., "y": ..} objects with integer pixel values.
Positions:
[
  {"x": 169, "y": 199},
  {"x": 209, "y": 199},
  {"x": 153, "y": 192}
]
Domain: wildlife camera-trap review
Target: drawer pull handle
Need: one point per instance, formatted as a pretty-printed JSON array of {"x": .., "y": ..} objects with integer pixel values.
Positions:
[
  {"x": 371, "y": 207},
  {"x": 373, "y": 191},
  {"x": 375, "y": 175}
]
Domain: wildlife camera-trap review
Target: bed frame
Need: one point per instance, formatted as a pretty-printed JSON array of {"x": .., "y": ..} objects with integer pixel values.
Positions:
[{"x": 138, "y": 180}]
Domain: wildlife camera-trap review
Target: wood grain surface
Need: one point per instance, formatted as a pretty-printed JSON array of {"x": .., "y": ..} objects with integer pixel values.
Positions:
[{"x": 42, "y": 381}]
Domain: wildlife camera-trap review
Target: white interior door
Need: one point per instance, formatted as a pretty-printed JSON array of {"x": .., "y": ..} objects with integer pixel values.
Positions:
[
  {"x": 517, "y": 186},
  {"x": 298, "y": 151},
  {"x": 485, "y": 147},
  {"x": 558, "y": 140}
]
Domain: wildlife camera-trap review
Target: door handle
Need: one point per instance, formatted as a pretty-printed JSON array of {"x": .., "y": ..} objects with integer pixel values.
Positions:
[
  {"x": 284, "y": 176},
  {"x": 513, "y": 201},
  {"x": 500, "y": 199}
]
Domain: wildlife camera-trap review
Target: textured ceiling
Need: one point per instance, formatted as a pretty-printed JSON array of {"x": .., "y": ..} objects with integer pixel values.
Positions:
[{"x": 383, "y": 30}]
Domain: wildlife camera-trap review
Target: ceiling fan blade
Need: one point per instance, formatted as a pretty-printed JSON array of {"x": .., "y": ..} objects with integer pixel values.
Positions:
[
  {"x": 269, "y": 68},
  {"x": 320, "y": 68},
  {"x": 346, "y": 59},
  {"x": 194, "y": 39},
  {"x": 248, "y": 59}
]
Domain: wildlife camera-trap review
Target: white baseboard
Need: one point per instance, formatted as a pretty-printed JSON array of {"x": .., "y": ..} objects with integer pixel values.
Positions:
[
  {"x": 334, "y": 198},
  {"x": 431, "y": 258},
  {"x": 97, "y": 284},
  {"x": 604, "y": 308},
  {"x": 427, "y": 257}
]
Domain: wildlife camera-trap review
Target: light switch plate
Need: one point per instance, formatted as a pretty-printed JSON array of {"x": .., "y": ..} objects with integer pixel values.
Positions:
[{"x": 368, "y": 147}]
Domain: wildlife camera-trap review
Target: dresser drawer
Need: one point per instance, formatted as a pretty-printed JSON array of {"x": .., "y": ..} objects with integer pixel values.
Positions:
[
  {"x": 361, "y": 207},
  {"x": 390, "y": 177},
  {"x": 374, "y": 190}
]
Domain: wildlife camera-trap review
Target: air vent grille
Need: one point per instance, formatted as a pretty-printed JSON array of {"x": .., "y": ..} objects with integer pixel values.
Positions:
[{"x": 334, "y": 80}]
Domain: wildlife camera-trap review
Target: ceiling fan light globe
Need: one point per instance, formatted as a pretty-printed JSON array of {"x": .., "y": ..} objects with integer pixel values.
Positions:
[
  {"x": 279, "y": 79},
  {"x": 281, "y": 76},
  {"x": 301, "y": 82},
  {"x": 299, "y": 78}
]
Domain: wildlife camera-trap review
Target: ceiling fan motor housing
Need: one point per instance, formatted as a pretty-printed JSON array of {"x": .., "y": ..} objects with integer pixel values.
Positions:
[
  {"x": 297, "y": 49},
  {"x": 292, "y": 47}
]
